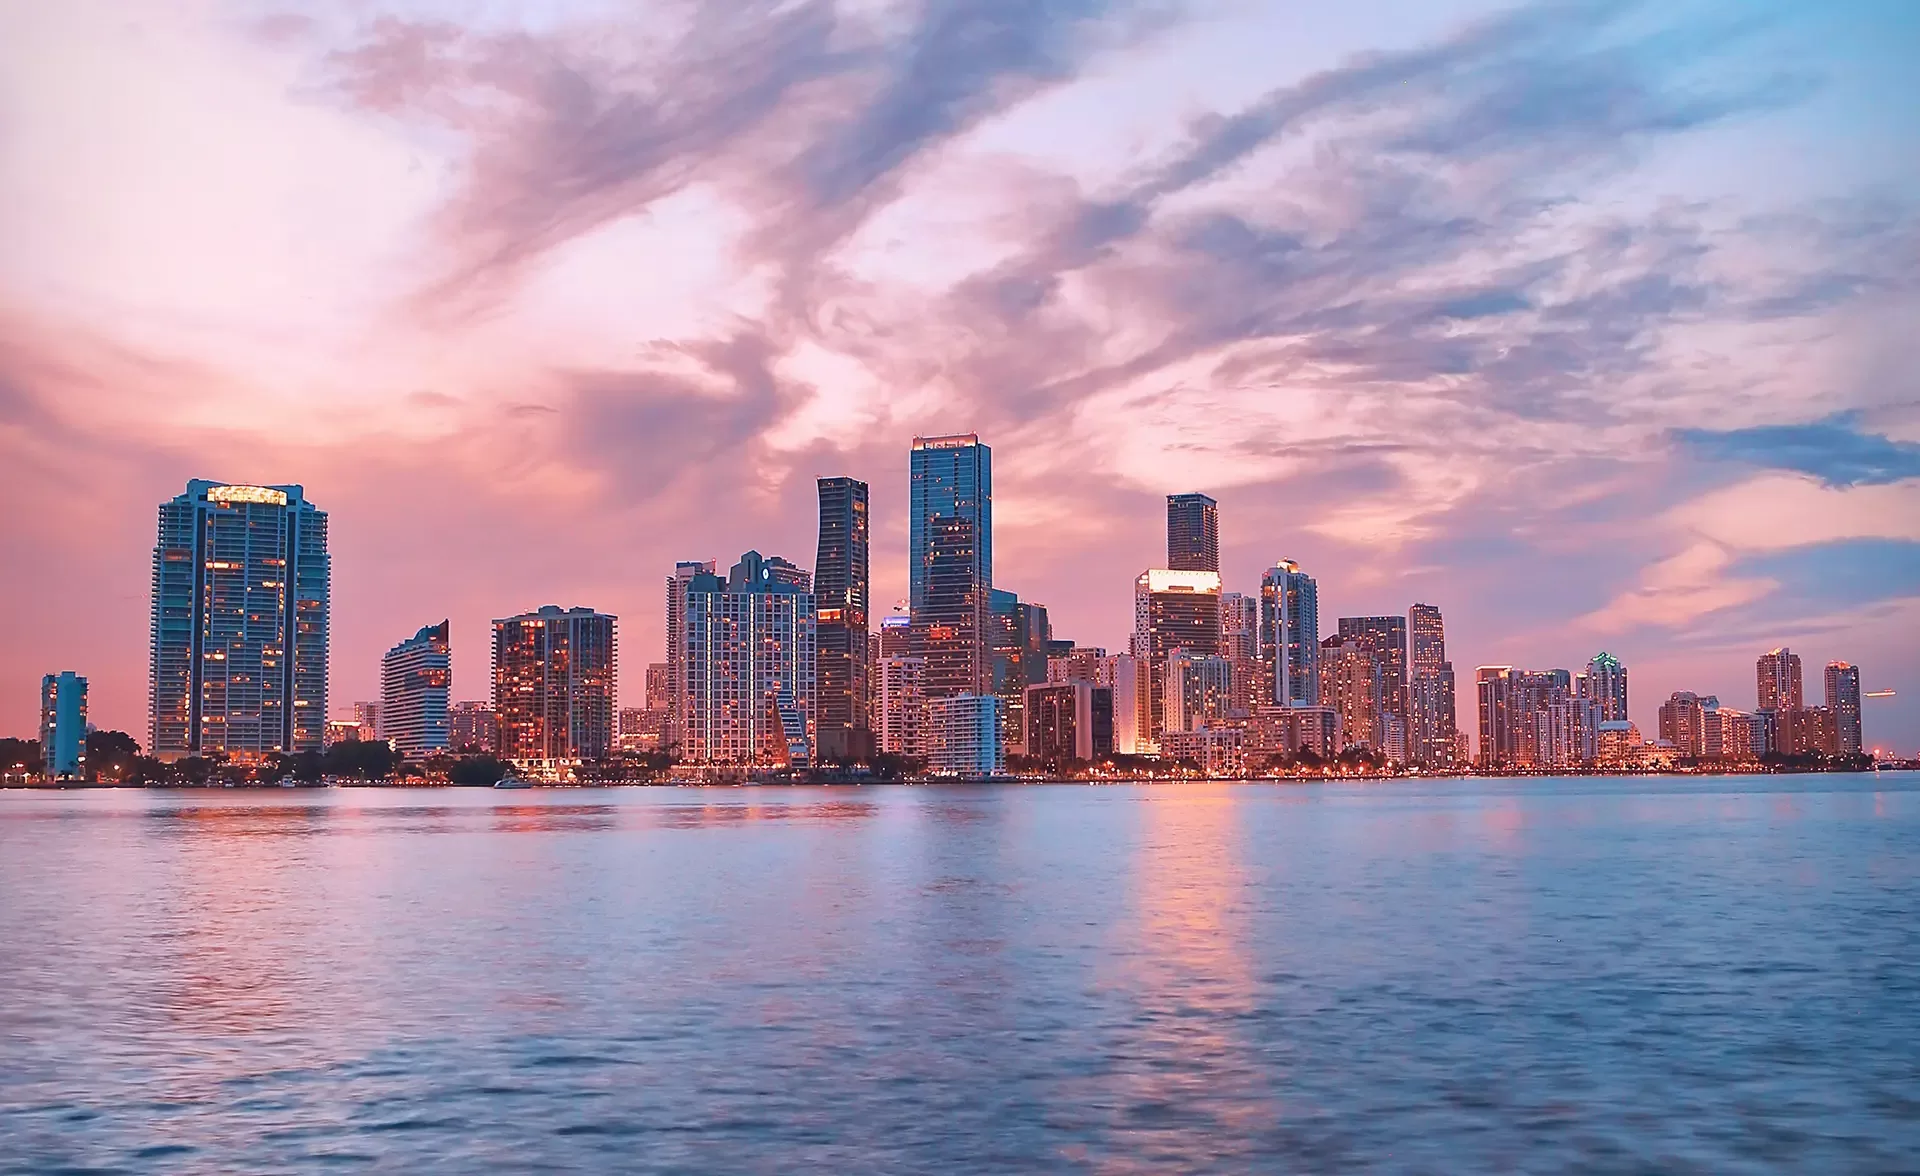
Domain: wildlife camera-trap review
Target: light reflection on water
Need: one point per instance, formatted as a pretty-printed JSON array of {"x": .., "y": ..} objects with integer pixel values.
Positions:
[{"x": 1682, "y": 975}]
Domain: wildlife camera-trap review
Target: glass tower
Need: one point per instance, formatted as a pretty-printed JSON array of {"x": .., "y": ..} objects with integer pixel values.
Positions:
[
  {"x": 949, "y": 478},
  {"x": 1290, "y": 633},
  {"x": 842, "y": 599},
  {"x": 1193, "y": 533},
  {"x": 241, "y": 587}
]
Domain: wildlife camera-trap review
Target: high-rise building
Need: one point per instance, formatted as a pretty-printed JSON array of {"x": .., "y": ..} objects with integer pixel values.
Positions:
[
  {"x": 1019, "y": 633},
  {"x": 1068, "y": 721},
  {"x": 1199, "y": 689},
  {"x": 1290, "y": 730},
  {"x": 1432, "y": 714},
  {"x": 962, "y": 736},
  {"x": 1240, "y": 645},
  {"x": 63, "y": 724},
  {"x": 241, "y": 583},
  {"x": 641, "y": 728},
  {"x": 750, "y": 668},
  {"x": 896, "y": 636},
  {"x": 842, "y": 603},
  {"x": 1777, "y": 681},
  {"x": 1683, "y": 722},
  {"x": 1290, "y": 634},
  {"x": 1193, "y": 533},
  {"x": 366, "y": 716},
  {"x": 900, "y": 704},
  {"x": 1219, "y": 752},
  {"x": 1605, "y": 682},
  {"x": 1530, "y": 719},
  {"x": 471, "y": 727},
  {"x": 949, "y": 478},
  {"x": 1843, "y": 701},
  {"x": 683, "y": 574},
  {"x": 414, "y": 679},
  {"x": 1172, "y": 610},
  {"x": 950, "y": 621},
  {"x": 1081, "y": 663},
  {"x": 555, "y": 679},
  {"x": 1386, "y": 639},
  {"x": 660, "y": 688},
  {"x": 1351, "y": 682}
]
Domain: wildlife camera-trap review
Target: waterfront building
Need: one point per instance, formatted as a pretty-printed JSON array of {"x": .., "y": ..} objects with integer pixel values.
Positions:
[
  {"x": 342, "y": 731},
  {"x": 555, "y": 679},
  {"x": 1432, "y": 718},
  {"x": 1724, "y": 733},
  {"x": 239, "y": 624},
  {"x": 950, "y": 622},
  {"x": 366, "y": 715},
  {"x": 1843, "y": 701},
  {"x": 1240, "y": 645},
  {"x": 842, "y": 600},
  {"x": 1386, "y": 639},
  {"x": 414, "y": 680},
  {"x": 1172, "y": 610},
  {"x": 684, "y": 573},
  {"x": 1071, "y": 720},
  {"x": 1218, "y": 751},
  {"x": 1350, "y": 683},
  {"x": 1777, "y": 681},
  {"x": 641, "y": 729},
  {"x": 1289, "y": 730},
  {"x": 962, "y": 736},
  {"x": 1193, "y": 533},
  {"x": 1019, "y": 634},
  {"x": 901, "y": 704},
  {"x": 1199, "y": 689},
  {"x": 471, "y": 727},
  {"x": 63, "y": 725},
  {"x": 1617, "y": 743},
  {"x": 1683, "y": 723},
  {"x": 750, "y": 671},
  {"x": 948, "y": 478},
  {"x": 1605, "y": 682},
  {"x": 1290, "y": 634},
  {"x": 1530, "y": 720}
]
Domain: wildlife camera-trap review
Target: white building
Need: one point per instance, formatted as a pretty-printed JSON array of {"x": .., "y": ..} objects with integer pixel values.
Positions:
[
  {"x": 962, "y": 736},
  {"x": 749, "y": 672},
  {"x": 414, "y": 677},
  {"x": 900, "y": 704}
]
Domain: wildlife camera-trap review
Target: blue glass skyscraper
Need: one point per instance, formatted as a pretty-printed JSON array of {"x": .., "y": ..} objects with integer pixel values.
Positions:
[{"x": 950, "y": 477}]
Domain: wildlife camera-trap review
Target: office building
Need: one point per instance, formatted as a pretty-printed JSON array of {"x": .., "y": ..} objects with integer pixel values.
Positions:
[
  {"x": 63, "y": 725},
  {"x": 842, "y": 601},
  {"x": 1605, "y": 682},
  {"x": 471, "y": 728},
  {"x": 750, "y": 670},
  {"x": 555, "y": 679},
  {"x": 1290, "y": 634},
  {"x": 414, "y": 679},
  {"x": 1018, "y": 636},
  {"x": 950, "y": 622},
  {"x": 949, "y": 478},
  {"x": 239, "y": 624},
  {"x": 1843, "y": 702},
  {"x": 900, "y": 703},
  {"x": 1351, "y": 683},
  {"x": 1199, "y": 689},
  {"x": 1386, "y": 639},
  {"x": 1070, "y": 720},
  {"x": 1172, "y": 610},
  {"x": 962, "y": 736},
  {"x": 896, "y": 636},
  {"x": 683, "y": 575},
  {"x": 1193, "y": 533},
  {"x": 1218, "y": 752},
  {"x": 1432, "y": 718}
]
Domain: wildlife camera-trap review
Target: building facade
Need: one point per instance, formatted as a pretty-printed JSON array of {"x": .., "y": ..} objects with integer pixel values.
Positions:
[
  {"x": 242, "y": 586},
  {"x": 1193, "y": 533},
  {"x": 962, "y": 736},
  {"x": 1018, "y": 635},
  {"x": 1289, "y": 730},
  {"x": 471, "y": 727},
  {"x": 1433, "y": 719},
  {"x": 1071, "y": 720},
  {"x": 683, "y": 575},
  {"x": 63, "y": 725},
  {"x": 950, "y": 625},
  {"x": 1351, "y": 682},
  {"x": 901, "y": 705},
  {"x": 1843, "y": 701},
  {"x": 1199, "y": 689},
  {"x": 750, "y": 669},
  {"x": 842, "y": 597},
  {"x": 1777, "y": 681},
  {"x": 1290, "y": 634},
  {"x": 1386, "y": 639},
  {"x": 1172, "y": 610},
  {"x": 414, "y": 679},
  {"x": 555, "y": 679},
  {"x": 948, "y": 478},
  {"x": 1218, "y": 752},
  {"x": 1605, "y": 682}
]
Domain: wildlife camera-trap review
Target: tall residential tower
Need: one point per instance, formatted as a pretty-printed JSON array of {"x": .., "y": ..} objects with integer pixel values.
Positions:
[
  {"x": 1193, "y": 533},
  {"x": 842, "y": 601},
  {"x": 414, "y": 680}
]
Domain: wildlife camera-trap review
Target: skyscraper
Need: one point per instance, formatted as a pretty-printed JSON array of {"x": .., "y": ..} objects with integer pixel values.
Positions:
[
  {"x": 1199, "y": 689},
  {"x": 555, "y": 679},
  {"x": 1530, "y": 719},
  {"x": 1240, "y": 645},
  {"x": 1018, "y": 634},
  {"x": 1290, "y": 633},
  {"x": 1193, "y": 533},
  {"x": 683, "y": 574},
  {"x": 1605, "y": 682},
  {"x": 750, "y": 667},
  {"x": 659, "y": 688},
  {"x": 63, "y": 724},
  {"x": 1843, "y": 702},
  {"x": 1386, "y": 639},
  {"x": 949, "y": 478},
  {"x": 414, "y": 677},
  {"x": 900, "y": 702},
  {"x": 1777, "y": 681},
  {"x": 1172, "y": 610},
  {"x": 1352, "y": 682},
  {"x": 842, "y": 602},
  {"x": 241, "y": 583},
  {"x": 950, "y": 622},
  {"x": 1433, "y": 717},
  {"x": 471, "y": 727}
]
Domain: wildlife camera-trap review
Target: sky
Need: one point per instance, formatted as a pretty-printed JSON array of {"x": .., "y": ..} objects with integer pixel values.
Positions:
[{"x": 1592, "y": 324}]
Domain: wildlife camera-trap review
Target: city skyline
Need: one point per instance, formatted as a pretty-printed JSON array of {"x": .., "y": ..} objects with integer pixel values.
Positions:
[{"x": 1696, "y": 444}]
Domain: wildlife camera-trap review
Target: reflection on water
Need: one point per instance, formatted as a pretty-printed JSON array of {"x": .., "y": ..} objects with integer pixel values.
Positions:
[{"x": 1478, "y": 975}]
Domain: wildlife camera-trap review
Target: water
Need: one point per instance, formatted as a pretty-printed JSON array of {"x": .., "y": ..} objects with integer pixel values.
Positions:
[{"x": 1717, "y": 975}]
